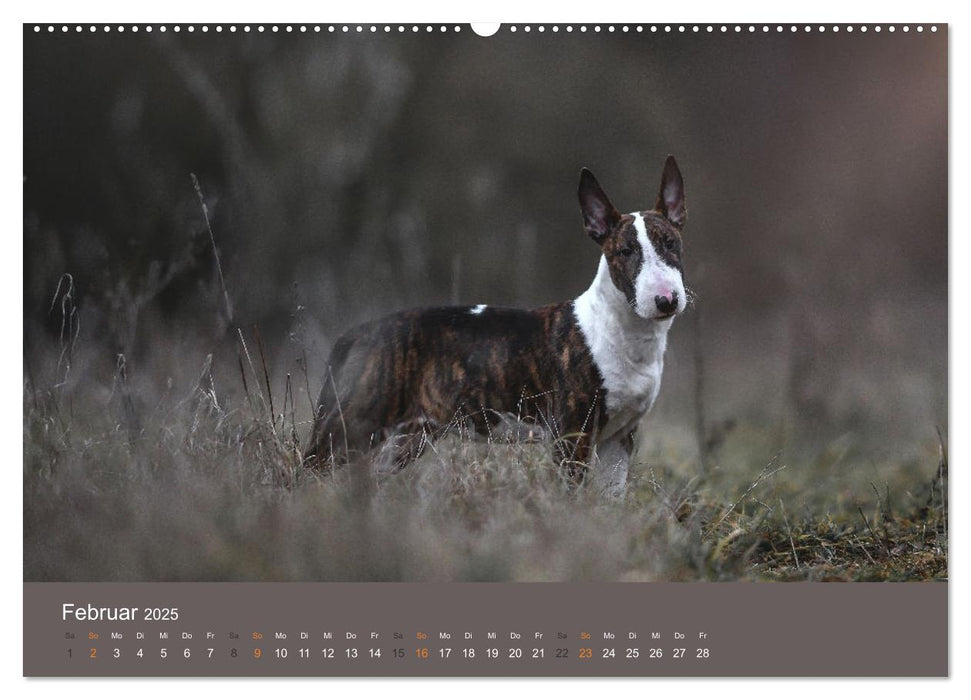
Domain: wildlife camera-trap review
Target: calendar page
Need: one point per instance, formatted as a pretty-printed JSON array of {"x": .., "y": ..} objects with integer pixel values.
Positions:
[{"x": 552, "y": 350}]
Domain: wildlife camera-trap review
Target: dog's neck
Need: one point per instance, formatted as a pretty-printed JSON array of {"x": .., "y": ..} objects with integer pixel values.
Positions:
[{"x": 628, "y": 349}]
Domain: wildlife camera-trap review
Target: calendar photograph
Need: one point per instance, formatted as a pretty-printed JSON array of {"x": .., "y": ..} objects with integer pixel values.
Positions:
[{"x": 563, "y": 304}]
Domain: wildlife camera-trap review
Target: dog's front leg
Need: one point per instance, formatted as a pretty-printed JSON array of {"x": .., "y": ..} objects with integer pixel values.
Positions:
[
  {"x": 608, "y": 472},
  {"x": 574, "y": 458}
]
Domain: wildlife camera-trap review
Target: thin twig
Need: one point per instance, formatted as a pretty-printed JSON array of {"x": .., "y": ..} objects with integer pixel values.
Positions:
[
  {"x": 885, "y": 513},
  {"x": 68, "y": 316},
  {"x": 666, "y": 498},
  {"x": 789, "y": 531},
  {"x": 266, "y": 374},
  {"x": 340, "y": 412},
  {"x": 293, "y": 419},
  {"x": 866, "y": 551},
  {"x": 761, "y": 477},
  {"x": 215, "y": 252},
  {"x": 252, "y": 367},
  {"x": 242, "y": 374},
  {"x": 872, "y": 533}
]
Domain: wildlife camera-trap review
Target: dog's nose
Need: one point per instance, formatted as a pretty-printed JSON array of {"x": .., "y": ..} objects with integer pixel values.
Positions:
[{"x": 667, "y": 305}]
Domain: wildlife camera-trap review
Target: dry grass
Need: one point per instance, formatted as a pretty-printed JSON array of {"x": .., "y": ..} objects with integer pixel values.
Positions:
[{"x": 133, "y": 478}]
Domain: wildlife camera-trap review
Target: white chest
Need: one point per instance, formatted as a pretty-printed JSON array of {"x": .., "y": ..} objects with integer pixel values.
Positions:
[
  {"x": 628, "y": 351},
  {"x": 632, "y": 387}
]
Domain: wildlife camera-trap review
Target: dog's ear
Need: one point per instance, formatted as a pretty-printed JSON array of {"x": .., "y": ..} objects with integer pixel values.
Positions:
[
  {"x": 670, "y": 197},
  {"x": 599, "y": 215}
]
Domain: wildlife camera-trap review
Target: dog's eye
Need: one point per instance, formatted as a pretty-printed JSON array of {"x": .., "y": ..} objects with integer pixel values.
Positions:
[
  {"x": 670, "y": 244},
  {"x": 627, "y": 251}
]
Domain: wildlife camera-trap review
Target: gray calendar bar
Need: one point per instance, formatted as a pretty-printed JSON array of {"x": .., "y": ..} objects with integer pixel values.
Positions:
[{"x": 485, "y": 629}]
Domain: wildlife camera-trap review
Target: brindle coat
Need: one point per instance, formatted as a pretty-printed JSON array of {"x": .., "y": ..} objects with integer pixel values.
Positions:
[
  {"x": 426, "y": 371},
  {"x": 446, "y": 366}
]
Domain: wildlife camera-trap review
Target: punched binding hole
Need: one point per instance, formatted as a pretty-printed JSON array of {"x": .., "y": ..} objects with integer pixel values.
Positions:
[{"x": 485, "y": 28}]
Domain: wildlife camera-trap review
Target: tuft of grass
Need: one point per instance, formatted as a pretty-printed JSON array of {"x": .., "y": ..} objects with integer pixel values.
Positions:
[{"x": 139, "y": 476}]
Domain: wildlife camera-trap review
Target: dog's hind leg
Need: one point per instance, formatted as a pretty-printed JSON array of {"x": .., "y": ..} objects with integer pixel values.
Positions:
[
  {"x": 340, "y": 437},
  {"x": 328, "y": 445},
  {"x": 350, "y": 410},
  {"x": 402, "y": 447}
]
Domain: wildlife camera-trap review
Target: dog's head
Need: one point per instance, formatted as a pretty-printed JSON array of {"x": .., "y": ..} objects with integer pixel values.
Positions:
[{"x": 642, "y": 249}]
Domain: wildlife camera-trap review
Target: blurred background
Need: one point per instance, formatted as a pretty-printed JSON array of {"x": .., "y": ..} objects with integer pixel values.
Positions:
[{"x": 350, "y": 175}]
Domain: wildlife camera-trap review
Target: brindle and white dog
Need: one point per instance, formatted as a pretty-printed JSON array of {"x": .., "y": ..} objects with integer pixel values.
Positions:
[{"x": 585, "y": 371}]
